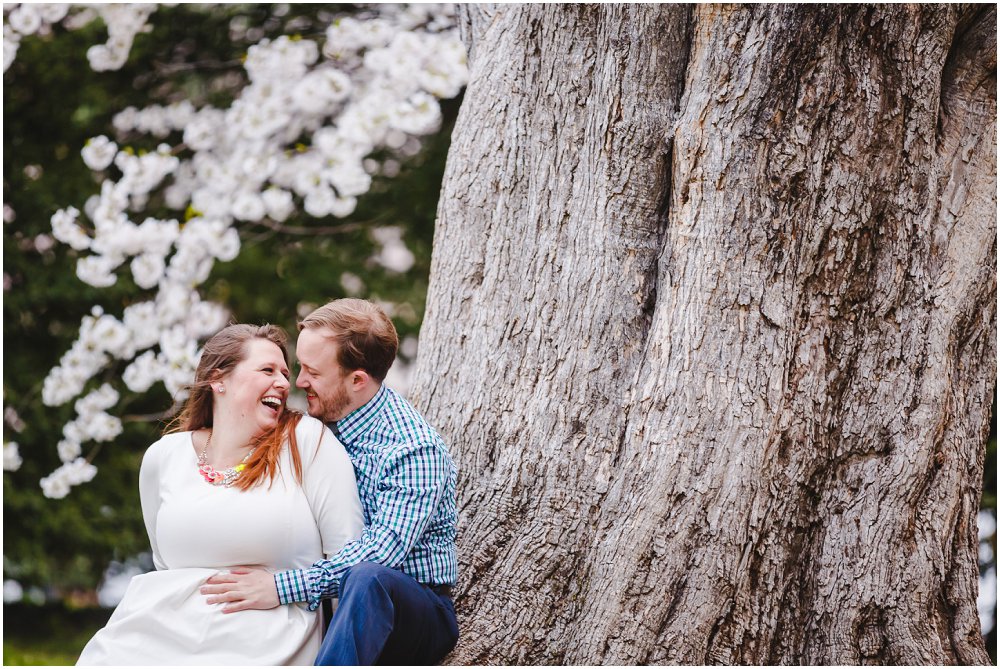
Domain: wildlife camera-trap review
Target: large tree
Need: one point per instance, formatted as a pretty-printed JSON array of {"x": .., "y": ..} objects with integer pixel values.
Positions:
[{"x": 711, "y": 328}]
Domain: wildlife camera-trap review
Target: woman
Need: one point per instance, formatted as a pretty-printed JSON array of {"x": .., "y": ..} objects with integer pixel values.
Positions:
[{"x": 246, "y": 482}]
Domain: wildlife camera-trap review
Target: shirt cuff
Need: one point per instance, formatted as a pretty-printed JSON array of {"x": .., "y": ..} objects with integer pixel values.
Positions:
[{"x": 292, "y": 586}]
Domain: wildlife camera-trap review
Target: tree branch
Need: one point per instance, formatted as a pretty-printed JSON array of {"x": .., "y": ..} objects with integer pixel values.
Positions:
[{"x": 309, "y": 230}]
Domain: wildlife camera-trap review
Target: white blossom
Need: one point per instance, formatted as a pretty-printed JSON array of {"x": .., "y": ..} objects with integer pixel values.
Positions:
[
  {"x": 12, "y": 591},
  {"x": 11, "y": 457},
  {"x": 98, "y": 400},
  {"x": 349, "y": 180},
  {"x": 44, "y": 242},
  {"x": 142, "y": 373},
  {"x": 112, "y": 336},
  {"x": 393, "y": 255},
  {"x": 98, "y": 152},
  {"x": 25, "y": 19},
  {"x": 148, "y": 269},
  {"x": 248, "y": 206},
  {"x": 123, "y": 21},
  {"x": 396, "y": 257},
  {"x": 420, "y": 114},
  {"x": 176, "y": 347},
  {"x": 98, "y": 271},
  {"x": 205, "y": 319},
  {"x": 318, "y": 91},
  {"x": 228, "y": 246},
  {"x": 986, "y": 524},
  {"x": 348, "y": 35},
  {"x": 102, "y": 59},
  {"x": 352, "y": 284},
  {"x": 67, "y": 230},
  {"x": 204, "y": 129},
  {"x": 55, "y": 486},
  {"x": 142, "y": 323},
  {"x": 278, "y": 203},
  {"x": 11, "y": 42},
  {"x": 84, "y": 359},
  {"x": 281, "y": 59},
  {"x": 303, "y": 133},
  {"x": 320, "y": 202},
  {"x": 52, "y": 12},
  {"x": 58, "y": 484},
  {"x": 343, "y": 206},
  {"x": 103, "y": 426},
  {"x": 69, "y": 450}
]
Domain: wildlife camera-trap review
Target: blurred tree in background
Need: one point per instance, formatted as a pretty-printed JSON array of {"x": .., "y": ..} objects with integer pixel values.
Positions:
[{"x": 54, "y": 104}]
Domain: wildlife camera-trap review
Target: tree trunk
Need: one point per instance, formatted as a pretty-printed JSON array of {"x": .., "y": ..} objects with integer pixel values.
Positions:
[{"x": 711, "y": 332}]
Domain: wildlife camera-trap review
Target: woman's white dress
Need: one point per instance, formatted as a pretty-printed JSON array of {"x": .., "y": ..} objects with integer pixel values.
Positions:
[{"x": 197, "y": 529}]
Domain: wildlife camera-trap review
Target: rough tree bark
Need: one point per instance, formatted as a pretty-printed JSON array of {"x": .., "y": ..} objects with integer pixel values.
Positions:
[{"x": 712, "y": 332}]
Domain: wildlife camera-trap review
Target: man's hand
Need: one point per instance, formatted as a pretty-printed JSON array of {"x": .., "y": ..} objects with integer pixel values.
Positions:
[{"x": 241, "y": 589}]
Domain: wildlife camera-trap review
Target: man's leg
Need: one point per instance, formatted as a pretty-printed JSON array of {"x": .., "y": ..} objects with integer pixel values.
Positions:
[{"x": 385, "y": 617}]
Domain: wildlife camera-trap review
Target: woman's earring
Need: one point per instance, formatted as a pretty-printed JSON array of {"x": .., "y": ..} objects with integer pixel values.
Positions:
[{"x": 222, "y": 389}]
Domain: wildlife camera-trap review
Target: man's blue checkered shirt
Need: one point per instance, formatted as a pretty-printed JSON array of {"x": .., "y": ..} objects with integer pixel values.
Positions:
[{"x": 406, "y": 481}]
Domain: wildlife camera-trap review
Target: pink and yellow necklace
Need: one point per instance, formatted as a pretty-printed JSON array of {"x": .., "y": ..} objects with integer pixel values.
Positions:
[{"x": 227, "y": 477}]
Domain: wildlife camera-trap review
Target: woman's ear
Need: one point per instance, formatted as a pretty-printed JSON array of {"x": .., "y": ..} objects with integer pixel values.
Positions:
[{"x": 217, "y": 384}]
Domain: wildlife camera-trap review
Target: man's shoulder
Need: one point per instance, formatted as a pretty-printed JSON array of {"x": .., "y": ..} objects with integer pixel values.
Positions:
[
  {"x": 398, "y": 406},
  {"x": 406, "y": 425}
]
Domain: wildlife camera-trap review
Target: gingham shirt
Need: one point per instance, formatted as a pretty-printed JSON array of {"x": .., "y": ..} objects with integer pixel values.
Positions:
[{"x": 406, "y": 481}]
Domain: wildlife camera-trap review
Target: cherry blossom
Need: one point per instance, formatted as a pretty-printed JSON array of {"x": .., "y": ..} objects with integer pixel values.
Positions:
[
  {"x": 300, "y": 136},
  {"x": 11, "y": 457}
]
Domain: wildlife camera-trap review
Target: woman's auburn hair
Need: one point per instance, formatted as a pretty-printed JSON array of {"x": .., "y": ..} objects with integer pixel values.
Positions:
[{"x": 221, "y": 354}]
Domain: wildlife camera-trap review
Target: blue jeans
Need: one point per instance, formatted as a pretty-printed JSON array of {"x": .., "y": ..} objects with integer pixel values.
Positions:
[{"x": 386, "y": 617}]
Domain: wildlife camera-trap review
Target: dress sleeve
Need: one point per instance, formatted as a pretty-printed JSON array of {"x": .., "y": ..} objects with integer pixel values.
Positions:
[
  {"x": 149, "y": 495},
  {"x": 330, "y": 486}
]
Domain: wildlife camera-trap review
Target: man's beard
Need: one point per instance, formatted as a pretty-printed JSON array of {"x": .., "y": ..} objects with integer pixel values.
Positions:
[{"x": 333, "y": 407}]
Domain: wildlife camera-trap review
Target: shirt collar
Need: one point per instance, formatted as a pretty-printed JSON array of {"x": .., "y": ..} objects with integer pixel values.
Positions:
[{"x": 353, "y": 424}]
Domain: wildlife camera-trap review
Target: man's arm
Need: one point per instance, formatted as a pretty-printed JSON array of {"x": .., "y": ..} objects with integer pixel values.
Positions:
[{"x": 409, "y": 491}]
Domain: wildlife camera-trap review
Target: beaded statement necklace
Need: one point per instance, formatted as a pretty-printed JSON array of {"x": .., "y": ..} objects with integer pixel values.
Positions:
[{"x": 227, "y": 477}]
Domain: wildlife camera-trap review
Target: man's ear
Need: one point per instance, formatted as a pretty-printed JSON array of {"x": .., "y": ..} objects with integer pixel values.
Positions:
[{"x": 359, "y": 379}]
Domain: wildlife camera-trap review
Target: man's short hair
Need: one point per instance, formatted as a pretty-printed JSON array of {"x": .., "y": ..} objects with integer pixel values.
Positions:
[{"x": 365, "y": 337}]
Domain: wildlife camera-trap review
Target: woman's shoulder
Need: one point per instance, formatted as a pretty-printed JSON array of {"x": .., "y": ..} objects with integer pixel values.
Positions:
[
  {"x": 316, "y": 440},
  {"x": 168, "y": 443},
  {"x": 310, "y": 430},
  {"x": 307, "y": 422}
]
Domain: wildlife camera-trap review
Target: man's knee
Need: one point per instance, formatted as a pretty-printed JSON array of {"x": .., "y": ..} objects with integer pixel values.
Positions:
[{"x": 365, "y": 575}]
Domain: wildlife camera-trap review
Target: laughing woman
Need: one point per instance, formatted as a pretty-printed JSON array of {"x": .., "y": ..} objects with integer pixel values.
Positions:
[{"x": 244, "y": 482}]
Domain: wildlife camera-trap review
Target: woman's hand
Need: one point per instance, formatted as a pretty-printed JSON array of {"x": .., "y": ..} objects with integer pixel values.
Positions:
[{"x": 242, "y": 588}]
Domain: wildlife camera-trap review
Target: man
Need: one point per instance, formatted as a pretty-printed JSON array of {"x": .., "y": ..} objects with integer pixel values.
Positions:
[{"x": 394, "y": 583}]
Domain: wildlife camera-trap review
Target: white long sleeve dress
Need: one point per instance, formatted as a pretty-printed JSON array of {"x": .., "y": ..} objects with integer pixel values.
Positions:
[{"x": 197, "y": 529}]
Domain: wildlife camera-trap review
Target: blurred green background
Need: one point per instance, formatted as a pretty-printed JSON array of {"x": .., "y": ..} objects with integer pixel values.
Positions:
[{"x": 58, "y": 550}]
